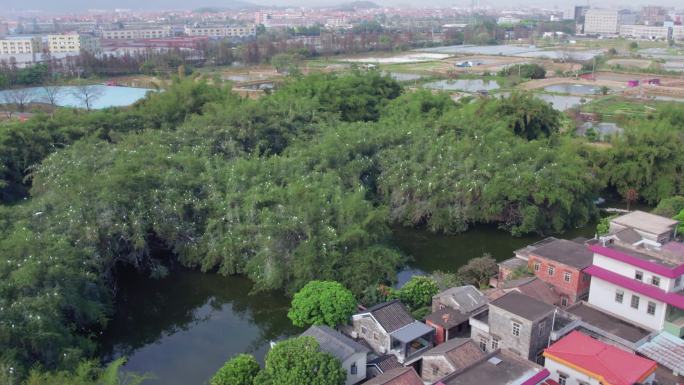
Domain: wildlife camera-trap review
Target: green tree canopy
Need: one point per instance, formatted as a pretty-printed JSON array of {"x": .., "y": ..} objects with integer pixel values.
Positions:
[
  {"x": 298, "y": 361},
  {"x": 322, "y": 303},
  {"x": 239, "y": 370},
  {"x": 418, "y": 291},
  {"x": 478, "y": 271}
]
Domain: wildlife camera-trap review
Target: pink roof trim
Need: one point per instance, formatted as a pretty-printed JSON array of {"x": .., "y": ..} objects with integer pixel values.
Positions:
[
  {"x": 654, "y": 292},
  {"x": 537, "y": 378},
  {"x": 638, "y": 262}
]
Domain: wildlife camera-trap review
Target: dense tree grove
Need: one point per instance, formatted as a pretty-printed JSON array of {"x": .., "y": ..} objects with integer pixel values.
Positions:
[
  {"x": 299, "y": 185},
  {"x": 322, "y": 303}
]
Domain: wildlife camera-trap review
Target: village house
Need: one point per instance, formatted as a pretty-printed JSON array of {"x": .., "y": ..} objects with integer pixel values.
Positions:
[
  {"x": 389, "y": 328},
  {"x": 351, "y": 354},
  {"x": 638, "y": 278},
  {"x": 397, "y": 376},
  {"x": 516, "y": 322},
  {"x": 451, "y": 310},
  {"x": 578, "y": 359},
  {"x": 530, "y": 286},
  {"x": 500, "y": 367},
  {"x": 455, "y": 354},
  {"x": 560, "y": 263}
]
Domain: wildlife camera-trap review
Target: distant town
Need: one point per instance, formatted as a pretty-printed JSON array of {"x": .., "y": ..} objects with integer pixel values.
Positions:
[{"x": 32, "y": 39}]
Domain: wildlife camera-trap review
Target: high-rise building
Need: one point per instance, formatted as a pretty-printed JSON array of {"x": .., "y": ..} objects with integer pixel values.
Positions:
[{"x": 606, "y": 21}]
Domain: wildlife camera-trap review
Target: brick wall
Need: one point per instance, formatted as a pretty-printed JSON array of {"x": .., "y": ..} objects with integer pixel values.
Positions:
[{"x": 574, "y": 289}]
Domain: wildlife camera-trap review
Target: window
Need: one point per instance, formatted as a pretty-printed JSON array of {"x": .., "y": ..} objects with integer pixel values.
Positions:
[
  {"x": 375, "y": 336},
  {"x": 435, "y": 370},
  {"x": 353, "y": 370},
  {"x": 639, "y": 275},
  {"x": 655, "y": 281},
  {"x": 516, "y": 329},
  {"x": 364, "y": 330},
  {"x": 586, "y": 277},
  {"x": 483, "y": 343},
  {"x": 678, "y": 281},
  {"x": 551, "y": 269},
  {"x": 542, "y": 326},
  {"x": 495, "y": 343},
  {"x": 537, "y": 266},
  {"x": 619, "y": 295},
  {"x": 635, "y": 301},
  {"x": 562, "y": 378},
  {"x": 564, "y": 301},
  {"x": 650, "y": 309},
  {"x": 567, "y": 276}
]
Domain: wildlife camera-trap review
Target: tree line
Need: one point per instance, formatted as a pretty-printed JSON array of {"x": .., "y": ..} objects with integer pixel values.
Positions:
[{"x": 302, "y": 184}]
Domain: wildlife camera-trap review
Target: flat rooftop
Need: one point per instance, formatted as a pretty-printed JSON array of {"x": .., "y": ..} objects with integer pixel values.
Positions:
[
  {"x": 523, "y": 306},
  {"x": 608, "y": 323},
  {"x": 650, "y": 223},
  {"x": 566, "y": 252},
  {"x": 496, "y": 369},
  {"x": 670, "y": 255}
]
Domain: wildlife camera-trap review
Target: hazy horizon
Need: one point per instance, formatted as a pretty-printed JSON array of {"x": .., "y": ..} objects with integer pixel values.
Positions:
[{"x": 147, "y": 5}]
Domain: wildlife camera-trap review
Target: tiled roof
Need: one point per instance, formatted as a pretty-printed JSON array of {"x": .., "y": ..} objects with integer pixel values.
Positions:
[
  {"x": 398, "y": 376},
  {"x": 566, "y": 252},
  {"x": 460, "y": 352},
  {"x": 391, "y": 315},
  {"x": 386, "y": 362},
  {"x": 523, "y": 306},
  {"x": 604, "y": 362},
  {"x": 465, "y": 298},
  {"x": 665, "y": 349},
  {"x": 334, "y": 342}
]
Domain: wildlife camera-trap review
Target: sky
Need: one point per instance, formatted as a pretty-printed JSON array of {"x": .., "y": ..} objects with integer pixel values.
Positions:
[{"x": 81, "y": 5}]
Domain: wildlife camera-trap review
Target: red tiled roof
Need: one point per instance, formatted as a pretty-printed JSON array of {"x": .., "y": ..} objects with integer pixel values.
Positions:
[
  {"x": 610, "y": 365},
  {"x": 674, "y": 299}
]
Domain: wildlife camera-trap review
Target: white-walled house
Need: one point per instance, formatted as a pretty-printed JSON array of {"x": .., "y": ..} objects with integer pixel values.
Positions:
[
  {"x": 351, "y": 354},
  {"x": 638, "y": 279},
  {"x": 578, "y": 359}
]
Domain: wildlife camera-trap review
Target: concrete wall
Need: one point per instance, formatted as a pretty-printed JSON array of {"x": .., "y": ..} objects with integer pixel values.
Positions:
[
  {"x": 432, "y": 363},
  {"x": 602, "y": 295},
  {"x": 375, "y": 335},
  {"x": 360, "y": 360},
  {"x": 627, "y": 270},
  {"x": 573, "y": 290},
  {"x": 574, "y": 376}
]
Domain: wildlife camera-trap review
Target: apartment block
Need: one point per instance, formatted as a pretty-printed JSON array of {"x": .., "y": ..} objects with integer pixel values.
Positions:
[
  {"x": 73, "y": 42},
  {"x": 20, "y": 45},
  {"x": 646, "y": 32},
  {"x": 138, "y": 33},
  {"x": 219, "y": 31},
  {"x": 606, "y": 21}
]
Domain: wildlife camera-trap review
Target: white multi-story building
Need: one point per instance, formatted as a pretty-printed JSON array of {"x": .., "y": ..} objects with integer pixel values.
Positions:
[
  {"x": 221, "y": 31},
  {"x": 648, "y": 32},
  {"x": 507, "y": 19},
  {"x": 20, "y": 45},
  {"x": 638, "y": 272},
  {"x": 601, "y": 22},
  {"x": 73, "y": 42},
  {"x": 138, "y": 33}
]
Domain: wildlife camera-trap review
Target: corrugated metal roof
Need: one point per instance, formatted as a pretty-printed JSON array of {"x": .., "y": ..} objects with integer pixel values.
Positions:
[{"x": 665, "y": 349}]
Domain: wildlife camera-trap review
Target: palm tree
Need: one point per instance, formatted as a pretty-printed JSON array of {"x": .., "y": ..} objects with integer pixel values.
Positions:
[{"x": 630, "y": 197}]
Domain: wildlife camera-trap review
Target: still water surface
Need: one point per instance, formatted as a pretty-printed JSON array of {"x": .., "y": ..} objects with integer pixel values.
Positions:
[
  {"x": 182, "y": 328},
  {"x": 109, "y": 96}
]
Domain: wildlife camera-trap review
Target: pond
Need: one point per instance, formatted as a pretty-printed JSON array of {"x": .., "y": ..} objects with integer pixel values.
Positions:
[
  {"x": 108, "y": 96},
  {"x": 561, "y": 102},
  {"x": 468, "y": 85},
  {"x": 571, "y": 88},
  {"x": 403, "y": 76},
  {"x": 183, "y": 328}
]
